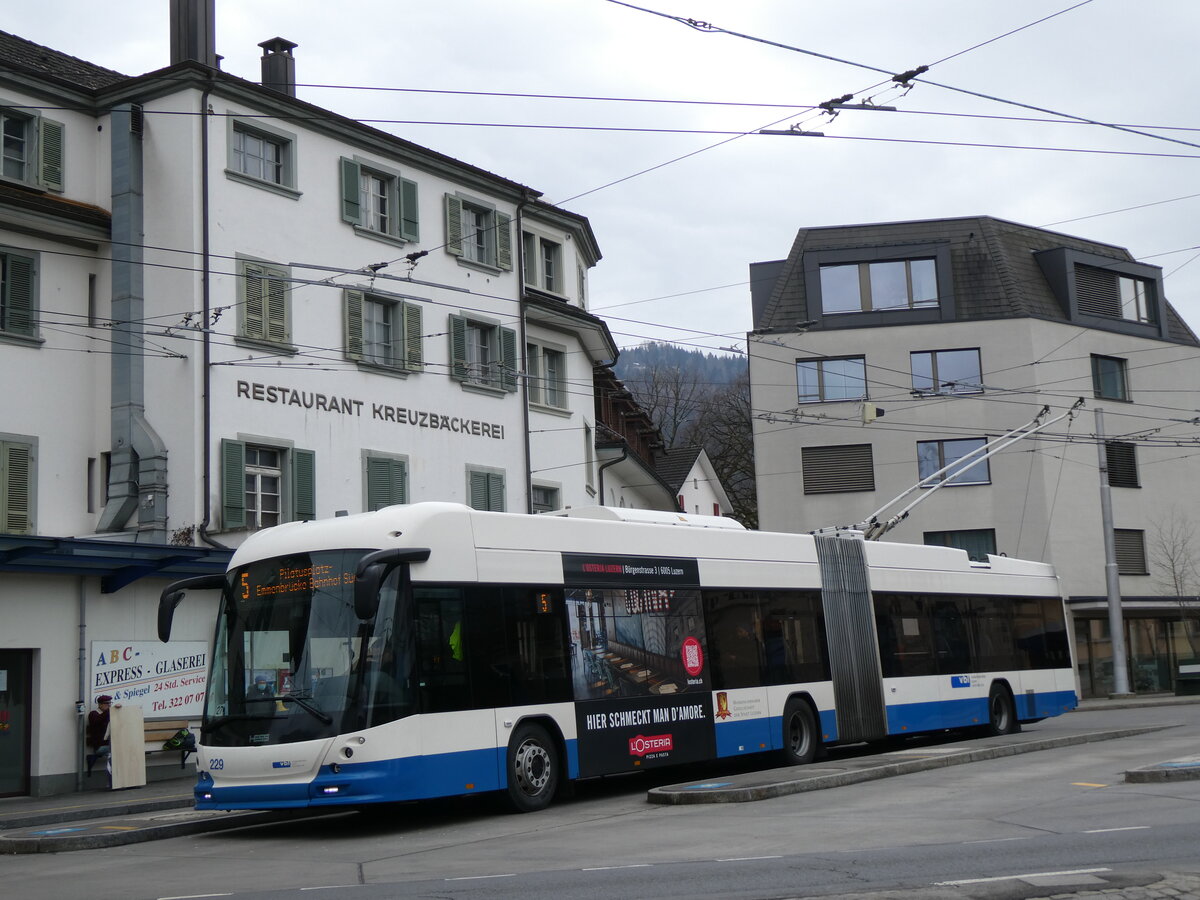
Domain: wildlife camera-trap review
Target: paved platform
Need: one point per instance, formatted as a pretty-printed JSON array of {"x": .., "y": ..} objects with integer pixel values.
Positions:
[{"x": 920, "y": 756}]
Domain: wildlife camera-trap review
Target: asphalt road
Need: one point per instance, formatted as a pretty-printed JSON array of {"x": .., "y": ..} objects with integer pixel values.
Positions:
[{"x": 1001, "y": 828}]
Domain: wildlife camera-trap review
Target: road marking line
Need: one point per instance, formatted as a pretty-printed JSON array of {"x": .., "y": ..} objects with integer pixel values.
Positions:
[
  {"x": 478, "y": 877},
  {"x": 193, "y": 896},
  {"x": 745, "y": 858},
  {"x": 999, "y": 840},
  {"x": 607, "y": 868},
  {"x": 1086, "y": 784},
  {"x": 1015, "y": 877},
  {"x": 1128, "y": 828},
  {"x": 330, "y": 887}
]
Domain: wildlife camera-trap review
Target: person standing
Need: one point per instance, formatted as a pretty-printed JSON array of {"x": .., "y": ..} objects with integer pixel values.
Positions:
[{"x": 97, "y": 733}]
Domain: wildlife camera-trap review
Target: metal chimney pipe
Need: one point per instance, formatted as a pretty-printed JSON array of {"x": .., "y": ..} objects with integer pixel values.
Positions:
[
  {"x": 194, "y": 31},
  {"x": 279, "y": 66}
]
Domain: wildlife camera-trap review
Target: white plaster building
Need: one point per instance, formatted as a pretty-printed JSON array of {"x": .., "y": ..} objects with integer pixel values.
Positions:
[
  {"x": 957, "y": 331},
  {"x": 223, "y": 308}
]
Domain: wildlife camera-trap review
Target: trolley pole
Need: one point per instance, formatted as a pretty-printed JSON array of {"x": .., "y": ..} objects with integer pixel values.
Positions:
[{"x": 1116, "y": 622}]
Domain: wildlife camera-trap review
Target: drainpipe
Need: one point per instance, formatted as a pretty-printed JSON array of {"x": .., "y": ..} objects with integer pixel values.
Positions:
[
  {"x": 523, "y": 349},
  {"x": 206, "y": 336},
  {"x": 137, "y": 481},
  {"x": 81, "y": 705},
  {"x": 612, "y": 462}
]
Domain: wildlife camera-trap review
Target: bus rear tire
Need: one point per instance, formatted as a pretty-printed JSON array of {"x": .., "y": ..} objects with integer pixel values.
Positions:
[
  {"x": 800, "y": 739},
  {"x": 533, "y": 769},
  {"x": 1002, "y": 714}
]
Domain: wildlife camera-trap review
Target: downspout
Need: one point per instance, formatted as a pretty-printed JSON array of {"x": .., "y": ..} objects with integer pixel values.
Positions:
[
  {"x": 82, "y": 705},
  {"x": 523, "y": 350},
  {"x": 612, "y": 462},
  {"x": 206, "y": 331}
]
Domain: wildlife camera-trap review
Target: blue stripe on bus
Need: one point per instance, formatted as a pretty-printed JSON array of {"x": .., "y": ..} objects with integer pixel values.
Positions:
[
  {"x": 910, "y": 718},
  {"x": 746, "y": 736}
]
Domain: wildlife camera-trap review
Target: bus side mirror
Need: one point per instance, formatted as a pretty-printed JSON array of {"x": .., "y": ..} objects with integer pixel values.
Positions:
[
  {"x": 174, "y": 593},
  {"x": 373, "y": 569}
]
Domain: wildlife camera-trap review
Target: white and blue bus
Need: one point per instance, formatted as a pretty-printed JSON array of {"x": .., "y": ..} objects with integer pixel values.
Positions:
[{"x": 433, "y": 650}]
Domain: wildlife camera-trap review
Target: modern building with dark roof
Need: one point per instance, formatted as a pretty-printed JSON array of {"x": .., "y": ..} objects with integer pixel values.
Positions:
[{"x": 883, "y": 353}]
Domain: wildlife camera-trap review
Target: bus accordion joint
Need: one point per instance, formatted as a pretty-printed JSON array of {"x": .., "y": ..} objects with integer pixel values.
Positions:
[{"x": 373, "y": 568}]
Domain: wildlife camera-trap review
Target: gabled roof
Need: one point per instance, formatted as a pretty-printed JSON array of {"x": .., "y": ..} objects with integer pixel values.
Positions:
[
  {"x": 993, "y": 266},
  {"x": 26, "y": 56},
  {"x": 676, "y": 464}
]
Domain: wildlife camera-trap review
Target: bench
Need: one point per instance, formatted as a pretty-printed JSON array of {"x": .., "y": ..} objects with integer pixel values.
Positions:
[{"x": 156, "y": 732}]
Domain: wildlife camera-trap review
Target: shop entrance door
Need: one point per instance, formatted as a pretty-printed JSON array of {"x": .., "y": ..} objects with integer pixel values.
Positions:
[{"x": 16, "y": 701}]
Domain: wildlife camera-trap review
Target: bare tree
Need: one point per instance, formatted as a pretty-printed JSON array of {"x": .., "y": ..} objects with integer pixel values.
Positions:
[
  {"x": 723, "y": 428},
  {"x": 1173, "y": 552},
  {"x": 670, "y": 396}
]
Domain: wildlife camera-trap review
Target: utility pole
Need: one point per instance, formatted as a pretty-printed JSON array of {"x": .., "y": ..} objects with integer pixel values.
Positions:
[{"x": 1116, "y": 622}]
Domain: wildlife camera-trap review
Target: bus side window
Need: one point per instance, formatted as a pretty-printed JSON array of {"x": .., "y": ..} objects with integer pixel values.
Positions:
[{"x": 441, "y": 651}]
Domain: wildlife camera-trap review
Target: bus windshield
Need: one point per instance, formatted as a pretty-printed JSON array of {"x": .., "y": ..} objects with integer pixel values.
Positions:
[{"x": 292, "y": 662}]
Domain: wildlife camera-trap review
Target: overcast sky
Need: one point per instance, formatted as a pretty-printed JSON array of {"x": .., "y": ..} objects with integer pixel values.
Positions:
[{"x": 677, "y": 240}]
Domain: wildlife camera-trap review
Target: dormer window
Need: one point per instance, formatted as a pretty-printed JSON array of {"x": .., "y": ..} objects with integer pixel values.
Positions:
[
  {"x": 1103, "y": 293},
  {"x": 877, "y": 286}
]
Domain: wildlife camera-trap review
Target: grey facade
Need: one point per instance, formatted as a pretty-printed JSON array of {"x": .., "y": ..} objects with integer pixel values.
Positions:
[{"x": 883, "y": 352}]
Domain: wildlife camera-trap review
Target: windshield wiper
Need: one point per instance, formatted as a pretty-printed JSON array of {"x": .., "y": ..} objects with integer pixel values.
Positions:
[{"x": 307, "y": 705}]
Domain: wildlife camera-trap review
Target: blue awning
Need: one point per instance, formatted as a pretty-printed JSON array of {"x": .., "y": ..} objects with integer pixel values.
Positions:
[{"x": 115, "y": 563}]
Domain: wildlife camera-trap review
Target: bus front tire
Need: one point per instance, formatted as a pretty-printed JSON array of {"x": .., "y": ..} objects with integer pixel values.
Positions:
[
  {"x": 532, "y": 769},
  {"x": 799, "y": 734},
  {"x": 1002, "y": 715}
]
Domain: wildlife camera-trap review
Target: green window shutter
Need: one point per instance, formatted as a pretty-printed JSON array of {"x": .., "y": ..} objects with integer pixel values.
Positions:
[
  {"x": 410, "y": 228},
  {"x": 508, "y": 359},
  {"x": 453, "y": 226},
  {"x": 304, "y": 485},
  {"x": 277, "y": 297},
  {"x": 18, "y": 317},
  {"x": 16, "y": 488},
  {"x": 351, "y": 205},
  {"x": 504, "y": 256},
  {"x": 458, "y": 348},
  {"x": 50, "y": 152},
  {"x": 414, "y": 357},
  {"x": 495, "y": 491},
  {"x": 479, "y": 490},
  {"x": 387, "y": 482},
  {"x": 354, "y": 324},
  {"x": 254, "y": 312},
  {"x": 233, "y": 484}
]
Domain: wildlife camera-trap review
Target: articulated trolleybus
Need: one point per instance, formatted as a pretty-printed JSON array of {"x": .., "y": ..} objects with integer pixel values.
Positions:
[{"x": 432, "y": 650}]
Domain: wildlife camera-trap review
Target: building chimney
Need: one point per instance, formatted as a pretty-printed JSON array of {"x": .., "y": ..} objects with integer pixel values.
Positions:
[
  {"x": 194, "y": 31},
  {"x": 279, "y": 66}
]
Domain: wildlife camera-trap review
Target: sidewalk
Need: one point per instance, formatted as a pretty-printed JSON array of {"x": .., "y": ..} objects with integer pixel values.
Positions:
[{"x": 94, "y": 819}]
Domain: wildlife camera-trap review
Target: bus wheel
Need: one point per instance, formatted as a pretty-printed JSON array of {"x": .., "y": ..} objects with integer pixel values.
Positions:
[
  {"x": 799, "y": 733},
  {"x": 532, "y": 769},
  {"x": 1002, "y": 717}
]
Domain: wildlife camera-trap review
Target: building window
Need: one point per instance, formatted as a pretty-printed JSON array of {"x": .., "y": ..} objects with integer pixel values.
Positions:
[
  {"x": 483, "y": 354},
  {"x": 17, "y": 485},
  {"x": 545, "y": 498},
  {"x": 547, "y": 371},
  {"x": 485, "y": 489},
  {"x": 378, "y": 202},
  {"x": 264, "y": 303},
  {"x": 1131, "y": 551},
  {"x": 1108, "y": 378},
  {"x": 946, "y": 372},
  {"x": 31, "y": 149},
  {"x": 383, "y": 331},
  {"x": 978, "y": 542},
  {"x": 826, "y": 380},
  {"x": 875, "y": 286},
  {"x": 1121, "y": 459},
  {"x": 478, "y": 233},
  {"x": 18, "y": 309},
  {"x": 262, "y": 155},
  {"x": 932, "y": 456},
  {"x": 589, "y": 459},
  {"x": 831, "y": 470},
  {"x": 386, "y": 480},
  {"x": 1100, "y": 292},
  {"x": 543, "y": 263},
  {"x": 264, "y": 485}
]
